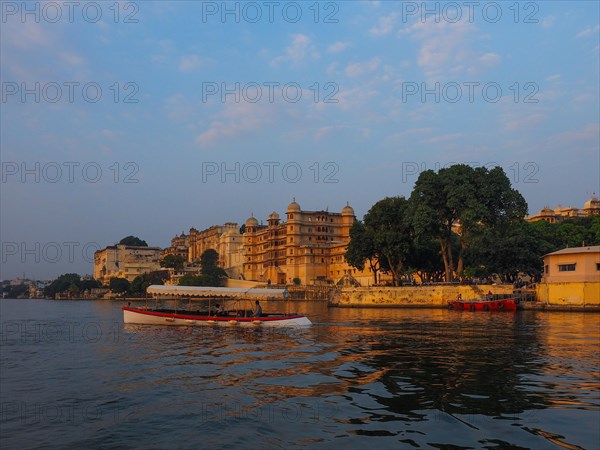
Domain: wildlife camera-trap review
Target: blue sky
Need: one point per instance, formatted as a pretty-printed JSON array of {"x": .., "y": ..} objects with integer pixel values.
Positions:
[{"x": 154, "y": 167}]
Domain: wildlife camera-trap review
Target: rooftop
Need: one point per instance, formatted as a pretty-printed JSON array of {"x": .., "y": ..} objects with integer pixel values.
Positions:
[{"x": 572, "y": 250}]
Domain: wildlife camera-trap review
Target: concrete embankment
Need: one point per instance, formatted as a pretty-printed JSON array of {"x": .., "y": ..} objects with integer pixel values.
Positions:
[{"x": 412, "y": 296}]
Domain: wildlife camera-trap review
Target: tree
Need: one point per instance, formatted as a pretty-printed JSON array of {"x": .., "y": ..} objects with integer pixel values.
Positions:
[
  {"x": 387, "y": 224},
  {"x": 193, "y": 280},
  {"x": 209, "y": 259},
  {"x": 133, "y": 241},
  {"x": 172, "y": 261},
  {"x": 87, "y": 284},
  {"x": 62, "y": 284},
  {"x": 361, "y": 249},
  {"x": 141, "y": 282},
  {"x": 468, "y": 200},
  {"x": 119, "y": 285}
]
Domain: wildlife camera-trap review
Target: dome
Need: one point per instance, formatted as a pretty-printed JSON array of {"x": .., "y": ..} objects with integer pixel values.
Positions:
[
  {"x": 273, "y": 216},
  {"x": 347, "y": 210},
  {"x": 293, "y": 207},
  {"x": 251, "y": 222}
]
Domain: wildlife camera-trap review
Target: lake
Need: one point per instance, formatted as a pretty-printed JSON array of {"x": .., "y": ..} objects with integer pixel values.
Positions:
[{"x": 72, "y": 375}]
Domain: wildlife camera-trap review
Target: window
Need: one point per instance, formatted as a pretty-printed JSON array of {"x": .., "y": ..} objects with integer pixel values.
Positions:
[
  {"x": 547, "y": 269},
  {"x": 566, "y": 267},
  {"x": 597, "y": 266}
]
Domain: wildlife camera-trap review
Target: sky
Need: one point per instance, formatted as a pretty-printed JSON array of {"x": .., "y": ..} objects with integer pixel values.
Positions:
[{"x": 149, "y": 118}]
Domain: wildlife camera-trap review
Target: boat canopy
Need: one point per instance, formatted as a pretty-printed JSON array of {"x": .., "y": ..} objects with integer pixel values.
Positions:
[{"x": 209, "y": 291}]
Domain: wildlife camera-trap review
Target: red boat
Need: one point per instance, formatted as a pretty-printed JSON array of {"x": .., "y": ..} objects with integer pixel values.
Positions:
[{"x": 503, "y": 304}]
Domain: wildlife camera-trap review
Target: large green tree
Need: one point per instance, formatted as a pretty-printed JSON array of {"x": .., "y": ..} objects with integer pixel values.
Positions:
[
  {"x": 133, "y": 241},
  {"x": 388, "y": 225},
  {"x": 466, "y": 200},
  {"x": 362, "y": 249}
]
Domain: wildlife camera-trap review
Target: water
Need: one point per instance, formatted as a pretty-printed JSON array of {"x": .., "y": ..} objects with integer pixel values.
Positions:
[{"x": 73, "y": 376}]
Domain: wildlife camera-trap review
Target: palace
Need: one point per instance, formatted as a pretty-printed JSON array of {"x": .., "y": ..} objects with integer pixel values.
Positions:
[
  {"x": 560, "y": 213},
  {"x": 307, "y": 248},
  {"x": 125, "y": 261}
]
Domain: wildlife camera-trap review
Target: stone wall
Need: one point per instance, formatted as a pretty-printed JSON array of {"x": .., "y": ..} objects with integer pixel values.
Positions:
[{"x": 419, "y": 296}]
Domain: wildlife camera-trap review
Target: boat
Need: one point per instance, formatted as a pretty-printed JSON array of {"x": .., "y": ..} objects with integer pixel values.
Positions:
[
  {"x": 485, "y": 304},
  {"x": 204, "y": 314}
]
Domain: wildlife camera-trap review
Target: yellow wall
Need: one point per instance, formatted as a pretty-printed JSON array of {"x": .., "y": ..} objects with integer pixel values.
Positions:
[
  {"x": 414, "y": 295},
  {"x": 569, "y": 294}
]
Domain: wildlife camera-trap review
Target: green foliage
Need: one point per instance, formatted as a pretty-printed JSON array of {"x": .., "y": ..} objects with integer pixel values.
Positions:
[
  {"x": 477, "y": 198},
  {"x": 388, "y": 227},
  {"x": 172, "y": 261},
  {"x": 297, "y": 281},
  {"x": 16, "y": 291},
  {"x": 119, "y": 285},
  {"x": 133, "y": 241},
  {"x": 141, "y": 282},
  {"x": 72, "y": 283},
  {"x": 209, "y": 259},
  {"x": 193, "y": 280}
]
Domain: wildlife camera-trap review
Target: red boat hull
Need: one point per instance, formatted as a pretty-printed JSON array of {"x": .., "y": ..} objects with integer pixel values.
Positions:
[{"x": 505, "y": 304}]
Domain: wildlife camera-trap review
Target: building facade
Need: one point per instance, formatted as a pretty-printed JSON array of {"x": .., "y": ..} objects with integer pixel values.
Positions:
[
  {"x": 560, "y": 213},
  {"x": 308, "y": 246},
  {"x": 571, "y": 277},
  {"x": 125, "y": 261}
]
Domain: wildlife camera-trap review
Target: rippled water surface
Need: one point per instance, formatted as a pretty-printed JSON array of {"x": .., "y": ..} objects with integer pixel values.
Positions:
[{"x": 74, "y": 376}]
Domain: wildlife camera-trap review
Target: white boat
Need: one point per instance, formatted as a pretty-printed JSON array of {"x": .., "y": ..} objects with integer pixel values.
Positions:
[{"x": 233, "y": 317}]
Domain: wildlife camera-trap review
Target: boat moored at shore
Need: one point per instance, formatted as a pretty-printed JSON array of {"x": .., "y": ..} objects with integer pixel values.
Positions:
[{"x": 207, "y": 315}]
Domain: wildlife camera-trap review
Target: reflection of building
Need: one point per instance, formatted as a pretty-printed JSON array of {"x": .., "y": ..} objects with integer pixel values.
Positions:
[
  {"x": 571, "y": 277},
  {"x": 125, "y": 261},
  {"x": 560, "y": 213},
  {"x": 309, "y": 246}
]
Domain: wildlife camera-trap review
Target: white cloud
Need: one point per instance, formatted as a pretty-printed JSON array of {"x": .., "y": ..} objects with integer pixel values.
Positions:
[
  {"x": 362, "y": 68},
  {"x": 191, "y": 62},
  {"x": 72, "y": 58},
  {"x": 446, "y": 49},
  {"x": 548, "y": 21},
  {"x": 588, "y": 30},
  {"x": 386, "y": 25},
  {"x": 300, "y": 50},
  {"x": 338, "y": 47},
  {"x": 236, "y": 119}
]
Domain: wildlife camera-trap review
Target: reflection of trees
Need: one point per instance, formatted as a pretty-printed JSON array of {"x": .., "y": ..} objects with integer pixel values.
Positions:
[{"x": 475, "y": 369}]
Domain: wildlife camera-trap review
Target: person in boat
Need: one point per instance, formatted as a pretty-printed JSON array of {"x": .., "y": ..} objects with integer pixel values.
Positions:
[
  {"x": 214, "y": 311},
  {"x": 221, "y": 311},
  {"x": 490, "y": 296},
  {"x": 257, "y": 310},
  {"x": 459, "y": 298}
]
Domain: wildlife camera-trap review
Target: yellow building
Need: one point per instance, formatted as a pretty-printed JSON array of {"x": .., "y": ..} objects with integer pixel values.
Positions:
[
  {"x": 560, "y": 213},
  {"x": 309, "y": 246},
  {"x": 571, "y": 277},
  {"x": 125, "y": 261}
]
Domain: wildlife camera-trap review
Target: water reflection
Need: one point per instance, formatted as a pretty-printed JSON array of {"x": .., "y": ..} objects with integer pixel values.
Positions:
[{"x": 386, "y": 378}]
